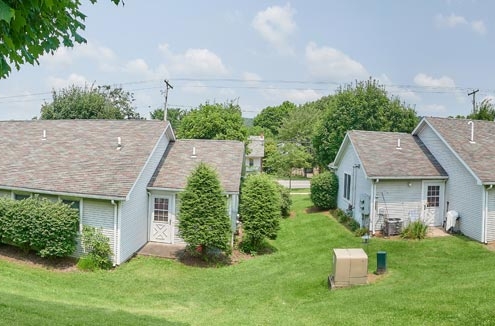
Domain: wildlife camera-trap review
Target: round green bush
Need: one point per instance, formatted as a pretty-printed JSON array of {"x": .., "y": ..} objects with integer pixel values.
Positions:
[{"x": 324, "y": 190}]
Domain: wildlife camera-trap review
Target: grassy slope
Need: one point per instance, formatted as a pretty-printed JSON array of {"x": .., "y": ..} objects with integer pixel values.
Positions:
[{"x": 435, "y": 281}]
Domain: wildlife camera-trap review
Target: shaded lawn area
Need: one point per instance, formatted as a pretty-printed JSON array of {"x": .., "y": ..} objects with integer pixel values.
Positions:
[{"x": 440, "y": 281}]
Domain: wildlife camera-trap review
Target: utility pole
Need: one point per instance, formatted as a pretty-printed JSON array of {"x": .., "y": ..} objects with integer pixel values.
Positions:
[
  {"x": 474, "y": 99},
  {"x": 167, "y": 87}
]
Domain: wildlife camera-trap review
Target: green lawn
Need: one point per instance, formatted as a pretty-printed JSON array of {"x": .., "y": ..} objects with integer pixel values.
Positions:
[{"x": 442, "y": 281}]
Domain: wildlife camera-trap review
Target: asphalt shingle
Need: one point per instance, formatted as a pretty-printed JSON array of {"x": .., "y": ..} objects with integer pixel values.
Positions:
[
  {"x": 77, "y": 157},
  {"x": 225, "y": 156},
  {"x": 381, "y": 157},
  {"x": 480, "y": 155}
]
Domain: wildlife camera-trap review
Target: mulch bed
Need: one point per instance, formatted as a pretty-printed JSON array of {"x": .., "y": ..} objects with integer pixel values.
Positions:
[{"x": 17, "y": 255}]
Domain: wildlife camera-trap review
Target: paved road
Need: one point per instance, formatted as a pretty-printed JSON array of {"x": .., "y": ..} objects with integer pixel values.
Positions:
[{"x": 295, "y": 184}]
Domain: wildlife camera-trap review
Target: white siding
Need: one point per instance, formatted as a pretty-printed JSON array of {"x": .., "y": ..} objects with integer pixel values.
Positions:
[
  {"x": 359, "y": 184},
  {"x": 462, "y": 193},
  {"x": 99, "y": 214},
  {"x": 134, "y": 212},
  {"x": 490, "y": 222},
  {"x": 396, "y": 199}
]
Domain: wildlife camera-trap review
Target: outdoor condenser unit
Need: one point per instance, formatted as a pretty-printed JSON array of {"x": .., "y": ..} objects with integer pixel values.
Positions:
[{"x": 350, "y": 267}]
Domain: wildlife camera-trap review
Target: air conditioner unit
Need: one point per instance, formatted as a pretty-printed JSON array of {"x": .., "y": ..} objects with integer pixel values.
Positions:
[{"x": 350, "y": 267}]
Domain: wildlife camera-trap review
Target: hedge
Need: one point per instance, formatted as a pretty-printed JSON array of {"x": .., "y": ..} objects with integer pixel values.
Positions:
[
  {"x": 38, "y": 224},
  {"x": 324, "y": 190}
]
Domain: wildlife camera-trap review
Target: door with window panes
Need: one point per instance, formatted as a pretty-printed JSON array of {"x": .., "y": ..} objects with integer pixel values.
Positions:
[
  {"x": 161, "y": 220},
  {"x": 433, "y": 203}
]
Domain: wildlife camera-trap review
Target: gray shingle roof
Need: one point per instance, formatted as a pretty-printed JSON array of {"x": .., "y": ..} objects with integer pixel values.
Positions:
[
  {"x": 381, "y": 159},
  {"x": 256, "y": 146},
  {"x": 479, "y": 156},
  {"x": 78, "y": 156},
  {"x": 225, "y": 156}
]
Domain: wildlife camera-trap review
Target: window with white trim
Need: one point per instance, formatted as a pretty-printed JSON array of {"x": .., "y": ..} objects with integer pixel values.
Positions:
[
  {"x": 161, "y": 209},
  {"x": 347, "y": 186}
]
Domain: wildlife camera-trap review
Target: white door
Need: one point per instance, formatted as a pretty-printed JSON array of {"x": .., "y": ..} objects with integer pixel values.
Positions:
[
  {"x": 433, "y": 203},
  {"x": 161, "y": 220}
]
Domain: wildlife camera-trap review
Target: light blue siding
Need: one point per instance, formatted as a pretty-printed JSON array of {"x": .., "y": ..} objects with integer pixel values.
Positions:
[
  {"x": 359, "y": 184},
  {"x": 134, "y": 212},
  {"x": 490, "y": 223},
  {"x": 99, "y": 214},
  {"x": 462, "y": 192},
  {"x": 396, "y": 199}
]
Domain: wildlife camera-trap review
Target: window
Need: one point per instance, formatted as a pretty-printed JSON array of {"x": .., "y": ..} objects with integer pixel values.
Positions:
[
  {"x": 251, "y": 162},
  {"x": 160, "y": 211},
  {"x": 347, "y": 186},
  {"x": 72, "y": 203},
  {"x": 21, "y": 197},
  {"x": 433, "y": 196}
]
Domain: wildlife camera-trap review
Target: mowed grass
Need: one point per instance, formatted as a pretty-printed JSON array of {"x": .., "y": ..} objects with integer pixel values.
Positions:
[{"x": 441, "y": 281}]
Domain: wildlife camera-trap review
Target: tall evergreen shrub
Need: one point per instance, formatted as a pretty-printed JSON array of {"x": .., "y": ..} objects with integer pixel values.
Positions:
[{"x": 204, "y": 223}]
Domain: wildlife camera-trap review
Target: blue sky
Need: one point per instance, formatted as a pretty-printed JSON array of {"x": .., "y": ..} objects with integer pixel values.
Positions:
[{"x": 261, "y": 53}]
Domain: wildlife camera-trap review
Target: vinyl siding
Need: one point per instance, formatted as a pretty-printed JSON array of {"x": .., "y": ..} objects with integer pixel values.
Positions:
[
  {"x": 395, "y": 199},
  {"x": 134, "y": 212},
  {"x": 462, "y": 193},
  {"x": 490, "y": 222},
  {"x": 359, "y": 183},
  {"x": 99, "y": 214}
]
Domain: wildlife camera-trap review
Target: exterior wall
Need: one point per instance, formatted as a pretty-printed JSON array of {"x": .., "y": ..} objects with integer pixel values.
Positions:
[
  {"x": 233, "y": 208},
  {"x": 462, "y": 193},
  {"x": 256, "y": 167},
  {"x": 490, "y": 222},
  {"x": 134, "y": 219},
  {"x": 99, "y": 214},
  {"x": 359, "y": 184},
  {"x": 396, "y": 199}
]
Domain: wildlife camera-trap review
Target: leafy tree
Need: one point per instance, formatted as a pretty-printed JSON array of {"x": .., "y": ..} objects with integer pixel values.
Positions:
[
  {"x": 32, "y": 28},
  {"x": 204, "y": 223},
  {"x": 213, "y": 121},
  {"x": 260, "y": 210},
  {"x": 102, "y": 102},
  {"x": 363, "y": 106},
  {"x": 285, "y": 200},
  {"x": 288, "y": 157},
  {"x": 174, "y": 116},
  {"x": 271, "y": 117},
  {"x": 324, "y": 190},
  {"x": 485, "y": 111},
  {"x": 270, "y": 150}
]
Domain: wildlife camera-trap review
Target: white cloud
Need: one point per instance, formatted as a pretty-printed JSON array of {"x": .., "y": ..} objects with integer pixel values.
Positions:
[
  {"x": 73, "y": 79},
  {"x": 424, "y": 80},
  {"x": 276, "y": 24},
  {"x": 479, "y": 27},
  {"x": 404, "y": 93},
  {"x": 453, "y": 21},
  {"x": 64, "y": 57},
  {"x": 251, "y": 78},
  {"x": 197, "y": 62},
  {"x": 297, "y": 96},
  {"x": 432, "y": 110},
  {"x": 450, "y": 21},
  {"x": 331, "y": 64}
]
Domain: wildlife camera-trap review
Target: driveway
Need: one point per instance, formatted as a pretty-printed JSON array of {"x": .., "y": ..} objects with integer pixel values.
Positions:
[{"x": 295, "y": 184}]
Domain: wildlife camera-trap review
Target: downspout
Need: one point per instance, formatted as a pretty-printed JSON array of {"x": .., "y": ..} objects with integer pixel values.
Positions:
[
  {"x": 81, "y": 214},
  {"x": 115, "y": 245},
  {"x": 372, "y": 207},
  {"x": 148, "y": 217},
  {"x": 485, "y": 212}
]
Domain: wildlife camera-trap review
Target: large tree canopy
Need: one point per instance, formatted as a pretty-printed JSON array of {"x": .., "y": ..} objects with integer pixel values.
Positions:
[
  {"x": 101, "y": 102},
  {"x": 271, "y": 117},
  {"x": 32, "y": 28},
  {"x": 365, "y": 105},
  {"x": 213, "y": 121}
]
